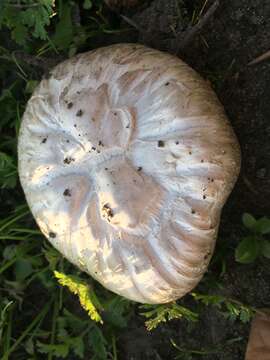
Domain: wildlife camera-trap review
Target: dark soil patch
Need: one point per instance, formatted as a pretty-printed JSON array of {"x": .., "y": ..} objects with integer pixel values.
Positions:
[{"x": 237, "y": 34}]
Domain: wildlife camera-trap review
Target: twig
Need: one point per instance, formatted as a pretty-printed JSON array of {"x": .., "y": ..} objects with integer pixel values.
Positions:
[
  {"x": 250, "y": 186},
  {"x": 260, "y": 58},
  {"x": 191, "y": 32},
  {"x": 132, "y": 23}
]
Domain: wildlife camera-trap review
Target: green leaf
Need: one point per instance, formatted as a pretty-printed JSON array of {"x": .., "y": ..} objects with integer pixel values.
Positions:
[
  {"x": 247, "y": 251},
  {"x": 249, "y": 221},
  {"x": 233, "y": 310},
  {"x": 116, "y": 312},
  {"x": 72, "y": 321},
  {"x": 51, "y": 255},
  {"x": 30, "y": 86},
  {"x": 29, "y": 346},
  {"x": 263, "y": 226},
  {"x": 98, "y": 344},
  {"x": 22, "y": 269},
  {"x": 245, "y": 315},
  {"x": 206, "y": 299},
  {"x": 82, "y": 289},
  {"x": 230, "y": 308},
  {"x": 64, "y": 29},
  {"x": 78, "y": 347},
  {"x": 8, "y": 105},
  {"x": 29, "y": 18},
  {"x": 8, "y": 171},
  {"x": 19, "y": 34},
  {"x": 9, "y": 252},
  {"x": 87, "y": 4},
  {"x": 162, "y": 313},
  {"x": 266, "y": 248},
  {"x": 59, "y": 350},
  {"x": 37, "y": 18},
  {"x": 45, "y": 278}
]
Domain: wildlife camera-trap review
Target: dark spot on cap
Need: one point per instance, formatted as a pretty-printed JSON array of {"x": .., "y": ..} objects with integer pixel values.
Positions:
[
  {"x": 167, "y": 83},
  {"x": 44, "y": 140},
  {"x": 190, "y": 152},
  {"x": 106, "y": 168},
  {"x": 177, "y": 142},
  {"x": 69, "y": 105},
  {"x": 67, "y": 192},
  {"x": 204, "y": 196},
  {"x": 52, "y": 234},
  {"x": 67, "y": 141},
  {"x": 75, "y": 125},
  {"x": 107, "y": 211},
  {"x": 193, "y": 211},
  {"x": 79, "y": 112},
  {"x": 115, "y": 113},
  {"x": 100, "y": 143},
  {"x": 93, "y": 148},
  {"x": 139, "y": 168},
  {"x": 161, "y": 143},
  {"x": 68, "y": 160},
  {"x": 202, "y": 161}
]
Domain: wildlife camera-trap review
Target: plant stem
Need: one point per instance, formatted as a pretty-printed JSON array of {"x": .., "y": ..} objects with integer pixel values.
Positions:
[
  {"x": 55, "y": 315},
  {"x": 38, "y": 318}
]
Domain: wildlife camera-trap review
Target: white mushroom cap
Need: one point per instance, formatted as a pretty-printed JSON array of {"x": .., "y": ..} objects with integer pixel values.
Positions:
[{"x": 126, "y": 159}]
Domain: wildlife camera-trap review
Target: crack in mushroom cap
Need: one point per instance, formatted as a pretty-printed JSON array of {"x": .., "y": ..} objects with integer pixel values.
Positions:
[{"x": 126, "y": 159}]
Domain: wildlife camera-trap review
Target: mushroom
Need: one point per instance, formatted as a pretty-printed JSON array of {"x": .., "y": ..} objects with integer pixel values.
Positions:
[{"x": 126, "y": 158}]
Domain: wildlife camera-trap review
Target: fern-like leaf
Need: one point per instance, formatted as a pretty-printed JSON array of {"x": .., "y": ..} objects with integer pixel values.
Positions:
[
  {"x": 163, "y": 313},
  {"x": 82, "y": 290}
]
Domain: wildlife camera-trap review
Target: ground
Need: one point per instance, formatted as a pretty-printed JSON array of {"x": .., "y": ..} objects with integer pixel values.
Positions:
[{"x": 238, "y": 32}]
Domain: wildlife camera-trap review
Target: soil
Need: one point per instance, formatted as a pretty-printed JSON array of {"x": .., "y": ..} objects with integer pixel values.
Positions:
[{"x": 237, "y": 33}]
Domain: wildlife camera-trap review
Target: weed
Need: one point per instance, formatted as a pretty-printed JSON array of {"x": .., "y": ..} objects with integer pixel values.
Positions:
[
  {"x": 190, "y": 354},
  {"x": 88, "y": 299},
  {"x": 157, "y": 314},
  {"x": 255, "y": 244},
  {"x": 230, "y": 308}
]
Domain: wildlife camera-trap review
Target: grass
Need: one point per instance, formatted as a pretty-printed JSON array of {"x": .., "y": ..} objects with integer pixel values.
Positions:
[{"x": 40, "y": 314}]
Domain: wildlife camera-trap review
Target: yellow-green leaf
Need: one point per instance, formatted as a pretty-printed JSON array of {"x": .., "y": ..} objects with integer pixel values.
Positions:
[{"x": 82, "y": 290}]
